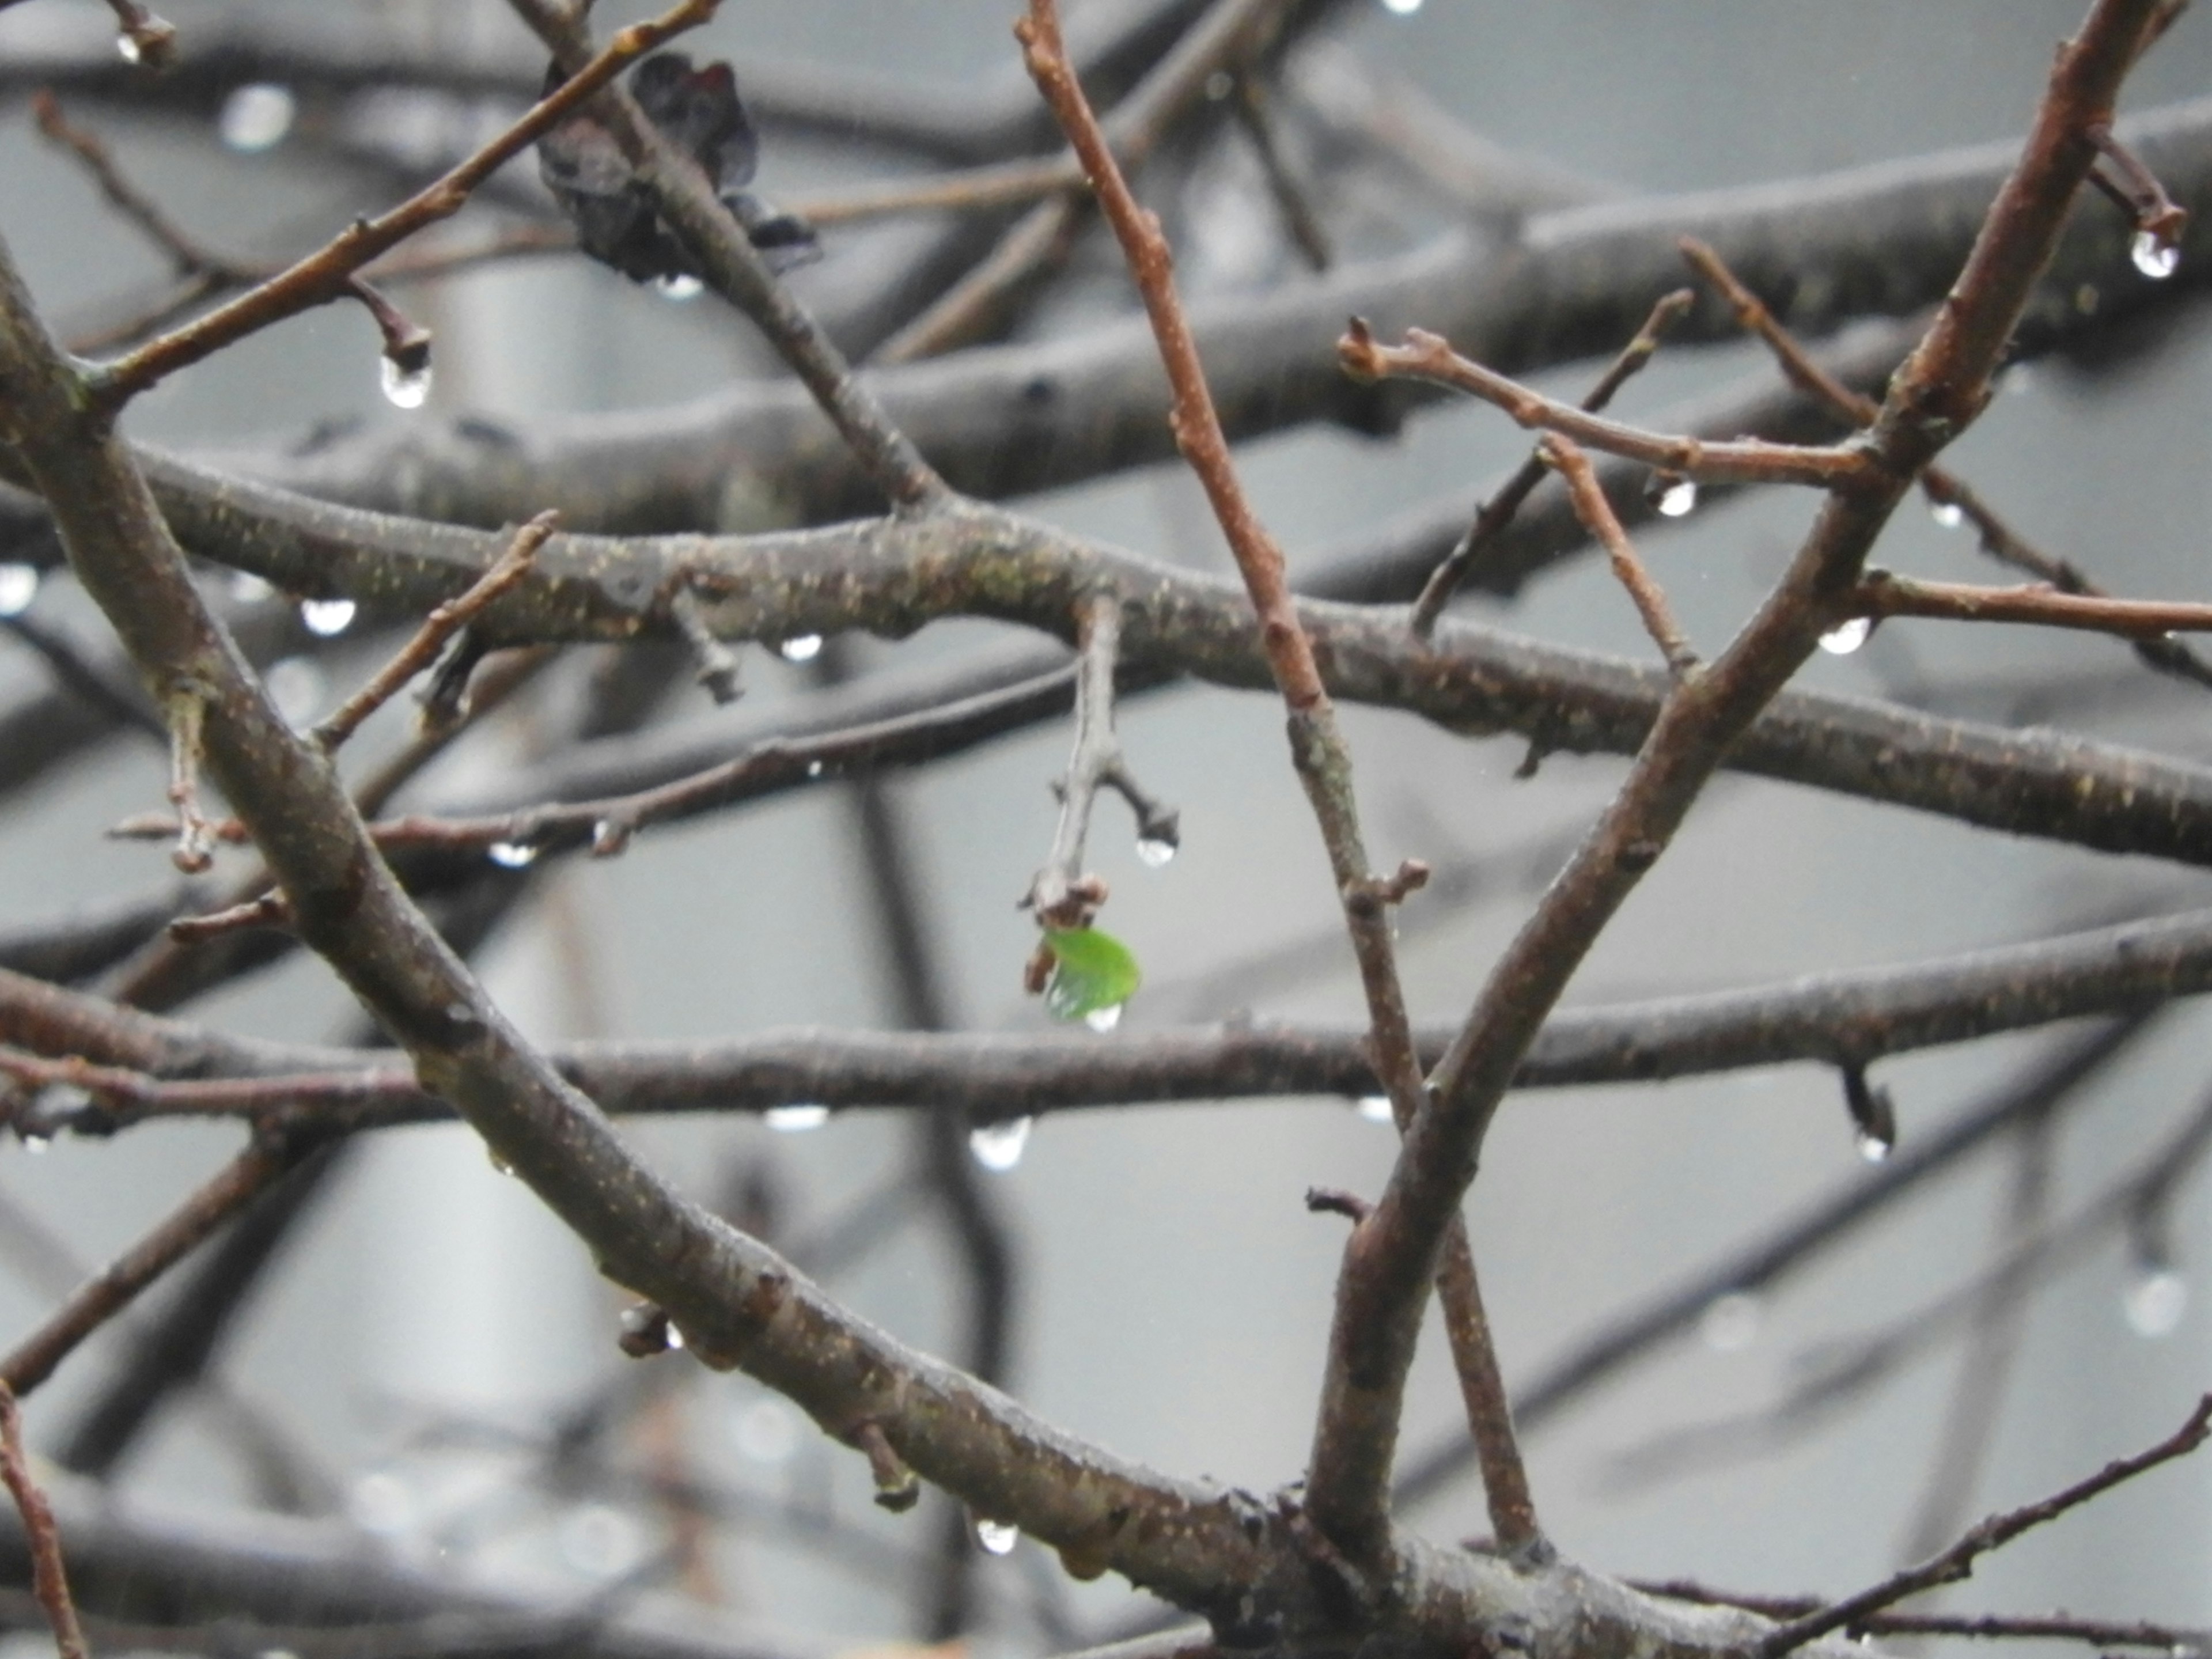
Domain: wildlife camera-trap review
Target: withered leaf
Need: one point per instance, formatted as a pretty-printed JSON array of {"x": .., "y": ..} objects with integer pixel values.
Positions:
[{"x": 698, "y": 110}]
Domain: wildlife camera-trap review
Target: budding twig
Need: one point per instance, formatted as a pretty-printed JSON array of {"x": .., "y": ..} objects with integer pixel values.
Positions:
[{"x": 1565, "y": 456}]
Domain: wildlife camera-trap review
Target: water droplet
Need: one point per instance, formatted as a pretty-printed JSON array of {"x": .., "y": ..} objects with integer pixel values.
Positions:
[
  {"x": 297, "y": 685},
  {"x": 247, "y": 588},
  {"x": 381, "y": 1503},
  {"x": 678, "y": 286},
  {"x": 814, "y": 768},
  {"x": 1155, "y": 852},
  {"x": 1948, "y": 514},
  {"x": 1103, "y": 1020},
  {"x": 328, "y": 618},
  {"x": 600, "y": 1542},
  {"x": 1874, "y": 1148},
  {"x": 404, "y": 388},
  {"x": 2155, "y": 1303},
  {"x": 610, "y": 839},
  {"x": 801, "y": 648},
  {"x": 1847, "y": 636},
  {"x": 35, "y": 1145},
  {"x": 278, "y": 1653},
  {"x": 997, "y": 1146},
  {"x": 796, "y": 1119},
  {"x": 767, "y": 1432},
  {"x": 2153, "y": 255},
  {"x": 19, "y": 586},
  {"x": 257, "y": 117},
  {"x": 1401, "y": 8},
  {"x": 675, "y": 1337},
  {"x": 512, "y": 854},
  {"x": 1730, "y": 1322},
  {"x": 1376, "y": 1108},
  {"x": 128, "y": 49},
  {"x": 1678, "y": 498},
  {"x": 999, "y": 1537}
]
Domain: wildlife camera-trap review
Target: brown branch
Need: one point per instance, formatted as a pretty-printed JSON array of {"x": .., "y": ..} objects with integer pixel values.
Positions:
[
  {"x": 439, "y": 627},
  {"x": 269, "y": 910},
  {"x": 1565, "y": 456},
  {"x": 1426, "y": 357},
  {"x": 1884, "y": 593},
  {"x": 144, "y": 40},
  {"x": 1958, "y": 1562},
  {"x": 1493, "y": 515},
  {"x": 1938, "y": 392},
  {"x": 327, "y": 275},
  {"x": 1352, "y": 1444},
  {"x": 49, "y": 1580},
  {"x": 1950, "y": 493},
  {"x": 1292, "y": 204}
]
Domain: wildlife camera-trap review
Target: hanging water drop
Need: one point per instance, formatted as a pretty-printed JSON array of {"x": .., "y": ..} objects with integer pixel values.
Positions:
[
  {"x": 997, "y": 1146},
  {"x": 675, "y": 1337},
  {"x": 2155, "y": 256},
  {"x": 257, "y": 117},
  {"x": 35, "y": 1144},
  {"x": 2154, "y": 1303},
  {"x": 1873, "y": 1147},
  {"x": 1155, "y": 852},
  {"x": 19, "y": 586},
  {"x": 1847, "y": 636},
  {"x": 1376, "y": 1108},
  {"x": 511, "y": 855},
  {"x": 796, "y": 1119},
  {"x": 1103, "y": 1020},
  {"x": 996, "y": 1537},
  {"x": 814, "y": 768},
  {"x": 128, "y": 49},
  {"x": 404, "y": 387},
  {"x": 1401, "y": 8},
  {"x": 1949, "y": 515},
  {"x": 1678, "y": 498},
  {"x": 246, "y": 588},
  {"x": 328, "y": 618},
  {"x": 1730, "y": 1322},
  {"x": 678, "y": 286},
  {"x": 801, "y": 648}
]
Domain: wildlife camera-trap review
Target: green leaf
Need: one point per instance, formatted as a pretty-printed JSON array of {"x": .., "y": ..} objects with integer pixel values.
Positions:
[{"x": 1093, "y": 971}]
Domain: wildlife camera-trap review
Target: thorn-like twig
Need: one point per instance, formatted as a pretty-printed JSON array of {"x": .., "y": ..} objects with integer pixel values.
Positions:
[
  {"x": 1334, "y": 1200},
  {"x": 1492, "y": 517},
  {"x": 271, "y": 909},
  {"x": 439, "y": 626},
  {"x": 717, "y": 668},
  {"x": 196, "y": 836},
  {"x": 143, "y": 39},
  {"x": 897, "y": 1488},
  {"x": 1958, "y": 1561},
  {"x": 49, "y": 1581},
  {"x": 1565, "y": 456},
  {"x": 2120, "y": 174}
]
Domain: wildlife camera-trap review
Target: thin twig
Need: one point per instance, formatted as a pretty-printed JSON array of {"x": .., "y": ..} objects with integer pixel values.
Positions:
[
  {"x": 187, "y": 256},
  {"x": 1064, "y": 894},
  {"x": 439, "y": 626},
  {"x": 1565, "y": 456},
  {"x": 1426, "y": 356},
  {"x": 1958, "y": 1561},
  {"x": 2002, "y": 1626},
  {"x": 325, "y": 275},
  {"x": 1950, "y": 493},
  {"x": 1885, "y": 593},
  {"x": 1492, "y": 516},
  {"x": 1299, "y": 217},
  {"x": 49, "y": 1580},
  {"x": 264, "y": 1160}
]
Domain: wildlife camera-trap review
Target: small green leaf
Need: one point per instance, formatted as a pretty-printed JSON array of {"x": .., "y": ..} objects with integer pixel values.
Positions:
[{"x": 1093, "y": 972}]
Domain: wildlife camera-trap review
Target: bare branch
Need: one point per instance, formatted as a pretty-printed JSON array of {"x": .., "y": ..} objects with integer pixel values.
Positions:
[{"x": 49, "y": 1581}]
